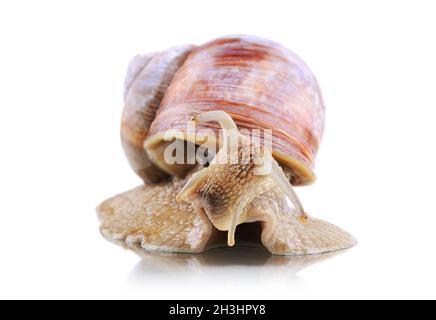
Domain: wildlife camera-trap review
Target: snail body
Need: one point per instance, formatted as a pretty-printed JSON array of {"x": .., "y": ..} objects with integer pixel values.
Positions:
[{"x": 238, "y": 84}]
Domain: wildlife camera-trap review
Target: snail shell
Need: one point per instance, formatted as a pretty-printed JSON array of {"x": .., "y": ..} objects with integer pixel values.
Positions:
[
  {"x": 147, "y": 80},
  {"x": 261, "y": 85}
]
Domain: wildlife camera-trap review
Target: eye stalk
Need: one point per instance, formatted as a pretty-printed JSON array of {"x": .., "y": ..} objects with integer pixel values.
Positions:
[
  {"x": 223, "y": 118},
  {"x": 287, "y": 188}
]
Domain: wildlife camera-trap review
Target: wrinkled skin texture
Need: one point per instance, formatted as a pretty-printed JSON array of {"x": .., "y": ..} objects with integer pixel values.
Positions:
[
  {"x": 234, "y": 192},
  {"x": 210, "y": 198},
  {"x": 150, "y": 217},
  {"x": 224, "y": 190},
  {"x": 283, "y": 232}
]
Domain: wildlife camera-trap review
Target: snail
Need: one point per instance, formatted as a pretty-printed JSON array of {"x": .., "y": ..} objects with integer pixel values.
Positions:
[{"x": 233, "y": 91}]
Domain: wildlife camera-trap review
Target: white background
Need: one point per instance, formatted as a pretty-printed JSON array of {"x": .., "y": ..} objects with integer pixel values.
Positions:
[{"x": 62, "y": 67}]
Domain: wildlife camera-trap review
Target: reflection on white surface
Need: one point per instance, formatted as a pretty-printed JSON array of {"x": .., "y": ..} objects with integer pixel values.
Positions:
[{"x": 242, "y": 265}]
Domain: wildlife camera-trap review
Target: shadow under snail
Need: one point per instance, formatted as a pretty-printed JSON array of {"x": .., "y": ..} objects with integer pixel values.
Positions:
[{"x": 235, "y": 86}]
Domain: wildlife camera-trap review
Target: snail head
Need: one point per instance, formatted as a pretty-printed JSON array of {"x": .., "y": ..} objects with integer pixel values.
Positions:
[{"x": 240, "y": 172}]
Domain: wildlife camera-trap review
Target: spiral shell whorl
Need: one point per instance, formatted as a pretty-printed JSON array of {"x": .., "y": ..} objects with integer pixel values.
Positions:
[{"x": 261, "y": 85}]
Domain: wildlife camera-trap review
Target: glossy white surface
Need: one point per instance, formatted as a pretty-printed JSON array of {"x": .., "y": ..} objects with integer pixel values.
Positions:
[{"x": 61, "y": 77}]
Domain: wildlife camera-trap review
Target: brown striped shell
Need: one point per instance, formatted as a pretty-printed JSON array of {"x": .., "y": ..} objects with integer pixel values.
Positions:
[
  {"x": 261, "y": 84},
  {"x": 147, "y": 80}
]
